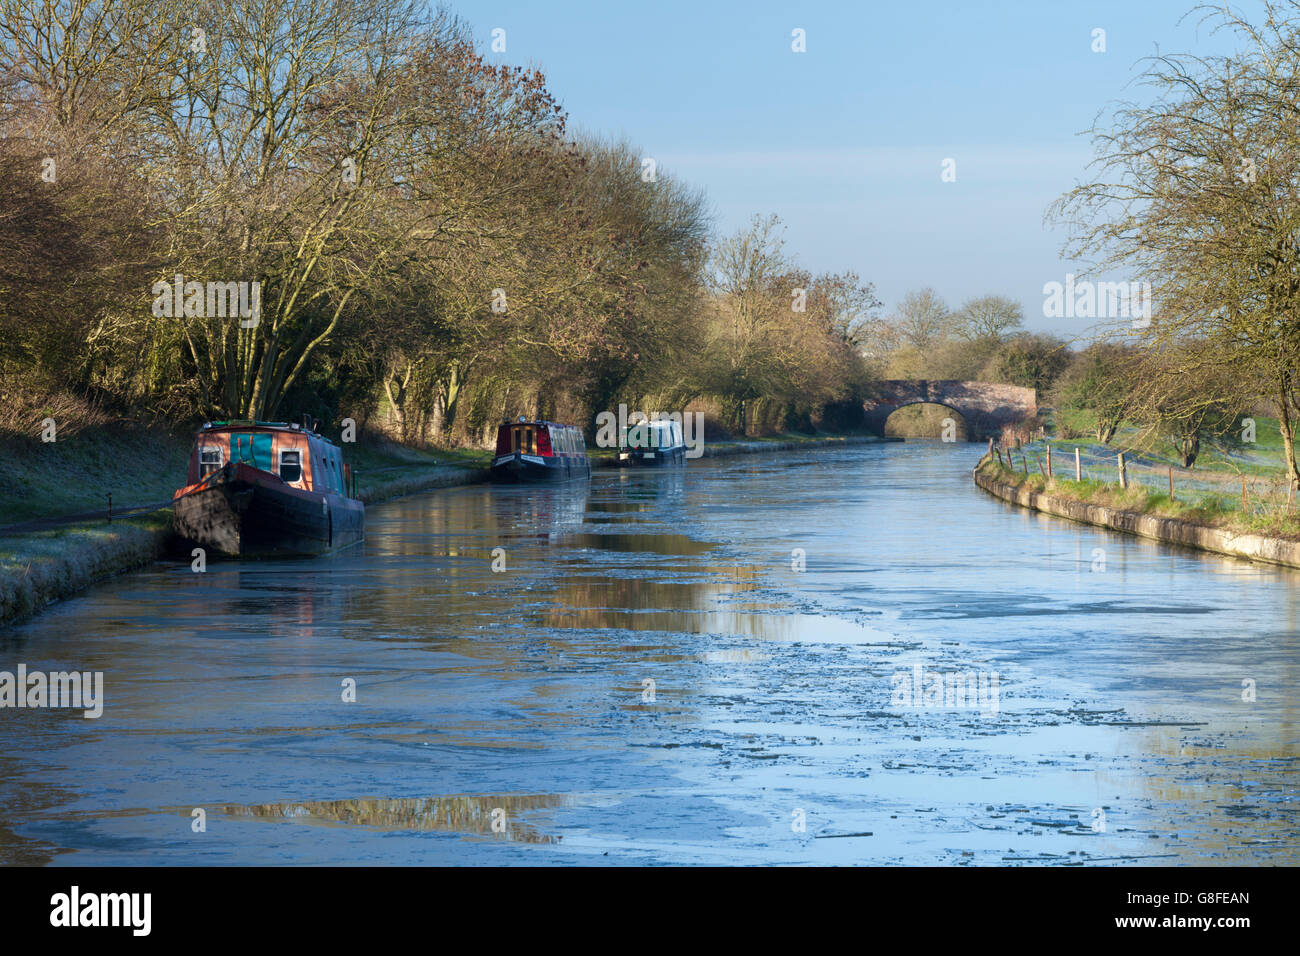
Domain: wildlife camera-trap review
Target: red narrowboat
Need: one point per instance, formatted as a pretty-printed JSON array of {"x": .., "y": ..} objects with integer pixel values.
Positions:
[
  {"x": 267, "y": 488},
  {"x": 539, "y": 451}
]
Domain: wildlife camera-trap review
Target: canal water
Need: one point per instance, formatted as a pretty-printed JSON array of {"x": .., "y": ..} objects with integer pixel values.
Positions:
[{"x": 713, "y": 666}]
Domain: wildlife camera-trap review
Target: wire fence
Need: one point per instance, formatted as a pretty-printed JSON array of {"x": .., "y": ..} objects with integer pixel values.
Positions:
[{"x": 1253, "y": 495}]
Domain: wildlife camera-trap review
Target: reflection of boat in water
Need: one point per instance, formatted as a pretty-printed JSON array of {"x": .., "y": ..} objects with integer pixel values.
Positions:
[
  {"x": 539, "y": 451},
  {"x": 542, "y": 511},
  {"x": 266, "y": 488},
  {"x": 652, "y": 488}
]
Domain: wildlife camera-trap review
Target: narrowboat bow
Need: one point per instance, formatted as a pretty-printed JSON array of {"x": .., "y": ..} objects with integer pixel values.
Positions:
[
  {"x": 657, "y": 442},
  {"x": 539, "y": 451}
]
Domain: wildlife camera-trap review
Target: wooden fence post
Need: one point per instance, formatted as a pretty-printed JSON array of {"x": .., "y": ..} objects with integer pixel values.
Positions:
[
  {"x": 1078, "y": 468},
  {"x": 1123, "y": 474},
  {"x": 1171, "y": 482}
]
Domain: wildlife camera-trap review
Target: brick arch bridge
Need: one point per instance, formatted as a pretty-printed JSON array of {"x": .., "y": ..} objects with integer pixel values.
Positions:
[{"x": 985, "y": 407}]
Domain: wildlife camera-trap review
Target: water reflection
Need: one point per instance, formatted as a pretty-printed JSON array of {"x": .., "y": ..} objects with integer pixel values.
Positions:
[{"x": 502, "y": 816}]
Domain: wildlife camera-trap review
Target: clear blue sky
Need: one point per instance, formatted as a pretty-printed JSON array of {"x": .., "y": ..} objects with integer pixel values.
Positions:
[{"x": 845, "y": 142}]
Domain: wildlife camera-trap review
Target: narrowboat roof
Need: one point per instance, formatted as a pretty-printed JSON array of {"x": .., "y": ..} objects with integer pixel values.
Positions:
[
  {"x": 288, "y": 426},
  {"x": 533, "y": 421}
]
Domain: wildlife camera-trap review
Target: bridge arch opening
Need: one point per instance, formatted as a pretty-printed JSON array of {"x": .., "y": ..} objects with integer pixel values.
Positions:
[
  {"x": 928, "y": 420},
  {"x": 985, "y": 407}
]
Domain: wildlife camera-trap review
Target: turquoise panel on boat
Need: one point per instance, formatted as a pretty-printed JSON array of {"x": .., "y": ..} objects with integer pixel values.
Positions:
[{"x": 253, "y": 448}]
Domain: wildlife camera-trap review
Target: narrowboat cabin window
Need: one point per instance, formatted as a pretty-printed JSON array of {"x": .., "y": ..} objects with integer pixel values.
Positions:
[
  {"x": 523, "y": 439},
  {"x": 290, "y": 466},
  {"x": 209, "y": 460}
]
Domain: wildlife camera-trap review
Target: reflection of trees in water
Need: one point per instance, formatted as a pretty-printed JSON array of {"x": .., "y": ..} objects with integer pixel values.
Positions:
[
  {"x": 19, "y": 798},
  {"x": 604, "y": 601},
  {"x": 488, "y": 512},
  {"x": 1234, "y": 816},
  {"x": 458, "y": 814},
  {"x": 716, "y": 602}
]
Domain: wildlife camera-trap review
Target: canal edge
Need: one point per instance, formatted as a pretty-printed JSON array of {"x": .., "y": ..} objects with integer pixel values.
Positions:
[{"x": 1175, "y": 531}]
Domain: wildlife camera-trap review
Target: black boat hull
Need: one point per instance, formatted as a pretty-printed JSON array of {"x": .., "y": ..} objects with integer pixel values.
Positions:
[
  {"x": 527, "y": 469},
  {"x": 653, "y": 458},
  {"x": 256, "y": 515}
]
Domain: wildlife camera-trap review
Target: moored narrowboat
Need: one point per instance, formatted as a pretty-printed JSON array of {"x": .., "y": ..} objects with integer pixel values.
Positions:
[
  {"x": 257, "y": 489},
  {"x": 657, "y": 442},
  {"x": 539, "y": 451}
]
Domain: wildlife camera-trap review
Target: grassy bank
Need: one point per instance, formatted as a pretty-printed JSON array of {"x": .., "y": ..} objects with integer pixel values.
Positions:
[
  {"x": 77, "y": 472},
  {"x": 44, "y": 566}
]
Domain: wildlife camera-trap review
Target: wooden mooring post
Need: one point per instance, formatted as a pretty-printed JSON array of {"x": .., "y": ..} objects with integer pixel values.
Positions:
[
  {"x": 1049, "y": 462},
  {"x": 1078, "y": 467},
  {"x": 1123, "y": 474},
  {"x": 1171, "y": 482},
  {"x": 110, "y": 507}
]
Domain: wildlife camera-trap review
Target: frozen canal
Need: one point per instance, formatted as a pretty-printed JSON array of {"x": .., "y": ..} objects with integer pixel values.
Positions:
[{"x": 651, "y": 680}]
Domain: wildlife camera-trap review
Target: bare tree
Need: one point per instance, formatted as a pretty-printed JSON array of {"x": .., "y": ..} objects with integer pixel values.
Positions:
[
  {"x": 1198, "y": 192},
  {"x": 988, "y": 318},
  {"x": 922, "y": 319}
]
